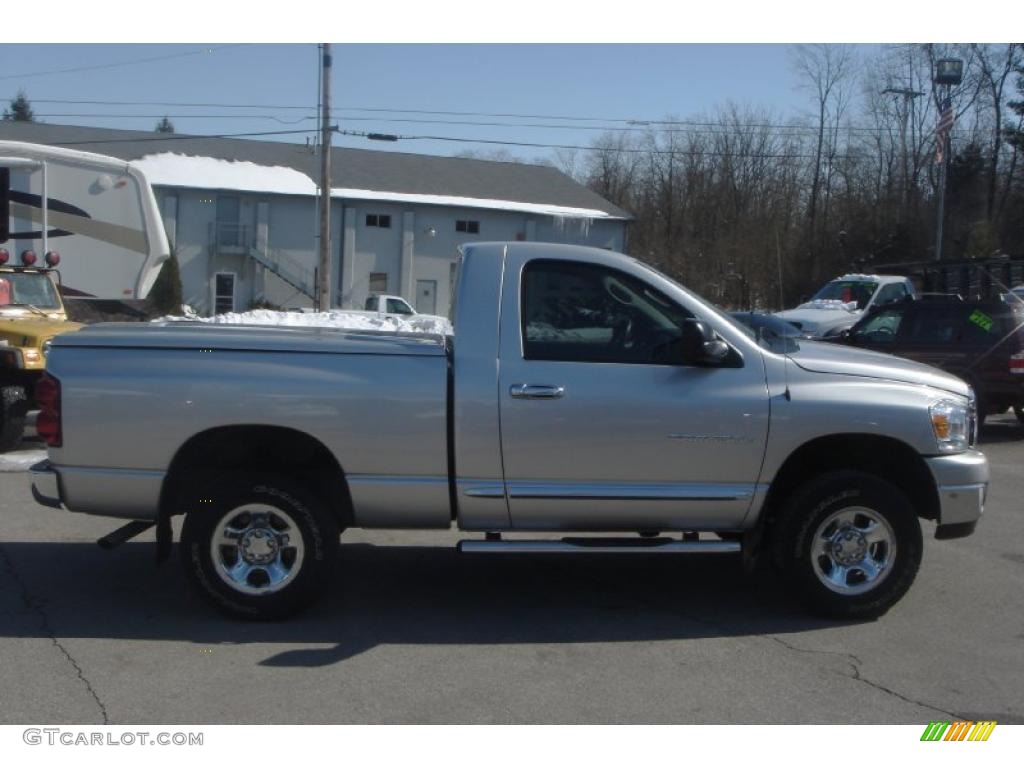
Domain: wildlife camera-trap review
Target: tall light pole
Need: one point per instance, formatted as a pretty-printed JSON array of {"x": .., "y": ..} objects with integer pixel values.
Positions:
[
  {"x": 324, "y": 273},
  {"x": 948, "y": 72}
]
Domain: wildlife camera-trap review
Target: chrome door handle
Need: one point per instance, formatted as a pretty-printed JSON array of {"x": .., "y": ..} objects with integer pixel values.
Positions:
[{"x": 536, "y": 391}]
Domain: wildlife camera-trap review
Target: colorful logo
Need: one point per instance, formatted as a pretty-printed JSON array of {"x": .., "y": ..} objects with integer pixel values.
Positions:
[{"x": 962, "y": 730}]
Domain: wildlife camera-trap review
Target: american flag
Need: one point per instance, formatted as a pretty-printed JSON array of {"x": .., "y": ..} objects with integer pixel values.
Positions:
[{"x": 942, "y": 129}]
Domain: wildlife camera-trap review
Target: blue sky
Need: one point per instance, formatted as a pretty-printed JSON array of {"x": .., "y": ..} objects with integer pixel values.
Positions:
[{"x": 580, "y": 80}]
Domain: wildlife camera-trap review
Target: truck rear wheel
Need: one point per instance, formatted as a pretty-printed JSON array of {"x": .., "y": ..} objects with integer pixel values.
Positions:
[
  {"x": 259, "y": 547},
  {"x": 849, "y": 543},
  {"x": 13, "y": 405}
]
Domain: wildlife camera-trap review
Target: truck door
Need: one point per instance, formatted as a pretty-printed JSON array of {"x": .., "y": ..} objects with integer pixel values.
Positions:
[{"x": 598, "y": 430}]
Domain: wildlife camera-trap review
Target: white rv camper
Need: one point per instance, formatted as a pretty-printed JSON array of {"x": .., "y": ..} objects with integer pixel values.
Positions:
[{"x": 99, "y": 214}]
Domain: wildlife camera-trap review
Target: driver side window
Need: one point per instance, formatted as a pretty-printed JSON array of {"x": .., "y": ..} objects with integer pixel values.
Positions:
[
  {"x": 881, "y": 328},
  {"x": 588, "y": 313}
]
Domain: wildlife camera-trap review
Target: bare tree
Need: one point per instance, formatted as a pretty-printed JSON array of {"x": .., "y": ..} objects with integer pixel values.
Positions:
[{"x": 823, "y": 70}]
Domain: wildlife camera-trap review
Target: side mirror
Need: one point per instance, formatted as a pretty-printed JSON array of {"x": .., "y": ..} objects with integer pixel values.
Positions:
[{"x": 698, "y": 345}]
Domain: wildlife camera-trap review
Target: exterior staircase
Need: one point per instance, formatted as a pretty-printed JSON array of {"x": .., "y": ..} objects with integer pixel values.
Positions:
[{"x": 288, "y": 268}]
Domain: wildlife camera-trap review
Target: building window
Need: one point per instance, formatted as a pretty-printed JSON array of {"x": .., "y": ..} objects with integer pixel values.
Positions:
[
  {"x": 378, "y": 282},
  {"x": 381, "y": 220},
  {"x": 223, "y": 293},
  {"x": 470, "y": 227}
]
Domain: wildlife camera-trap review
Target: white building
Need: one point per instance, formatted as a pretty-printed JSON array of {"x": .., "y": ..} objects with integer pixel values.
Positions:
[{"x": 242, "y": 215}]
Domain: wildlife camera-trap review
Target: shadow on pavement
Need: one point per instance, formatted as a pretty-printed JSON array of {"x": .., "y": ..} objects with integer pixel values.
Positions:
[
  {"x": 400, "y": 595},
  {"x": 1001, "y": 429}
]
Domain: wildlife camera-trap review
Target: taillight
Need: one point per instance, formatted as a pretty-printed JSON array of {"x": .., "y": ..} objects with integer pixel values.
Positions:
[
  {"x": 1017, "y": 363},
  {"x": 48, "y": 399}
]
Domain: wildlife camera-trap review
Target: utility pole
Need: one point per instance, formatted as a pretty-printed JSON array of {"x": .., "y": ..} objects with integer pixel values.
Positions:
[{"x": 323, "y": 291}]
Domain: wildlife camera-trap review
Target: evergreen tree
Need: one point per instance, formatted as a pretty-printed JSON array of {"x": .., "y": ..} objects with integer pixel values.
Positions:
[
  {"x": 164, "y": 126},
  {"x": 165, "y": 296},
  {"x": 20, "y": 109}
]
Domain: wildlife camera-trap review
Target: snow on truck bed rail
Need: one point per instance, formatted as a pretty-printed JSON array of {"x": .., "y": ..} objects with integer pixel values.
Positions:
[{"x": 337, "y": 318}]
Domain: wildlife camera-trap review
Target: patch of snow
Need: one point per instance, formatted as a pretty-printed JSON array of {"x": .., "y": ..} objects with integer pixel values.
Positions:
[
  {"x": 201, "y": 172},
  {"x": 172, "y": 169},
  {"x": 849, "y": 306},
  {"x": 337, "y": 318},
  {"x": 544, "y": 209},
  {"x": 20, "y": 461}
]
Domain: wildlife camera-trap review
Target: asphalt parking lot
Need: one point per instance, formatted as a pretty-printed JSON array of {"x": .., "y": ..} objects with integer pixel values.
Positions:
[{"x": 415, "y": 633}]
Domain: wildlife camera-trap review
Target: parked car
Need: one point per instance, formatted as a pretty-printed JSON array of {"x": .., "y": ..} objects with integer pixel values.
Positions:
[
  {"x": 388, "y": 305},
  {"x": 982, "y": 342},
  {"x": 582, "y": 392},
  {"x": 843, "y": 301}
]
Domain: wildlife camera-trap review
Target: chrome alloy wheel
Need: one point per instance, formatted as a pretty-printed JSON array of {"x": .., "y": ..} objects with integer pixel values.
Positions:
[
  {"x": 853, "y": 550},
  {"x": 257, "y": 549}
]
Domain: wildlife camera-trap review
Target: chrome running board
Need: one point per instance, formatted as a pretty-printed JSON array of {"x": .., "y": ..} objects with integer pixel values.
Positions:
[{"x": 594, "y": 545}]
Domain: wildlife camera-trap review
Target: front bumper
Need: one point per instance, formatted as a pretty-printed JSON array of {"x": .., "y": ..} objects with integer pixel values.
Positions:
[{"x": 961, "y": 483}]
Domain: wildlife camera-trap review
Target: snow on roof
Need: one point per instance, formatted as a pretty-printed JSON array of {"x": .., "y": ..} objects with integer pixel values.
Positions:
[
  {"x": 543, "y": 209},
  {"x": 175, "y": 170},
  {"x": 875, "y": 278}
]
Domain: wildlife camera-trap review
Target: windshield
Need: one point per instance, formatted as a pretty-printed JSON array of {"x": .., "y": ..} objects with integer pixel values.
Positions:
[
  {"x": 846, "y": 291},
  {"x": 28, "y": 288}
]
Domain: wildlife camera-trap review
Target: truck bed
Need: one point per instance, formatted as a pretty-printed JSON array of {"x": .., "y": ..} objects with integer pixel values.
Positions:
[{"x": 142, "y": 392}]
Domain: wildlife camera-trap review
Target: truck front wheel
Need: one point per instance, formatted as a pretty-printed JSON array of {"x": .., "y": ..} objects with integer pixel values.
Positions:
[
  {"x": 259, "y": 547},
  {"x": 849, "y": 543},
  {"x": 13, "y": 406}
]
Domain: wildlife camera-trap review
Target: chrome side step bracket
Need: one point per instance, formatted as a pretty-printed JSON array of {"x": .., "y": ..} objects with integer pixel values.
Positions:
[{"x": 595, "y": 545}]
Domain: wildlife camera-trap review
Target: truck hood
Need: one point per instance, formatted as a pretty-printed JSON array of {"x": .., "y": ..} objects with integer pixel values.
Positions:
[
  {"x": 824, "y": 316},
  {"x": 823, "y": 357},
  {"x": 31, "y": 330}
]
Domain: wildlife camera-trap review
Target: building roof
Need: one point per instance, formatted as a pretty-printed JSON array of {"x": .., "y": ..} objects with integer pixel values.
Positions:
[{"x": 356, "y": 173}]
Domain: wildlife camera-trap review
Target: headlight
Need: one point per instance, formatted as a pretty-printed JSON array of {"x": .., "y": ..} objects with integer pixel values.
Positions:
[
  {"x": 950, "y": 423},
  {"x": 46, "y": 347}
]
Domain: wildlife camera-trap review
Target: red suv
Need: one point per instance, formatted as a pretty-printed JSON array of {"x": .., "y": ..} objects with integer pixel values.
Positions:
[{"x": 982, "y": 342}]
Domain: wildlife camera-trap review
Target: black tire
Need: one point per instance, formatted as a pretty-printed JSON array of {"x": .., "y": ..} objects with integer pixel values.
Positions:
[
  {"x": 276, "y": 501},
  {"x": 13, "y": 406},
  {"x": 799, "y": 527}
]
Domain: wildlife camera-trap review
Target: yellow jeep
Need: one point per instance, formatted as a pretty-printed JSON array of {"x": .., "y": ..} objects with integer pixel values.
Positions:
[{"x": 31, "y": 313}]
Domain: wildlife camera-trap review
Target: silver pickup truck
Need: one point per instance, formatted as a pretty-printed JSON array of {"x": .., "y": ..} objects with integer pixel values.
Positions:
[{"x": 581, "y": 393}]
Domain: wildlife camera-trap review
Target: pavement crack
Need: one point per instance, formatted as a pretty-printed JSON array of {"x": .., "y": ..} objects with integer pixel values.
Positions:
[
  {"x": 34, "y": 605},
  {"x": 855, "y": 665}
]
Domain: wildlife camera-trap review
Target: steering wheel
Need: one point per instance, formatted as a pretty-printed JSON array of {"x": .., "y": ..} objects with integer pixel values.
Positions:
[{"x": 882, "y": 333}]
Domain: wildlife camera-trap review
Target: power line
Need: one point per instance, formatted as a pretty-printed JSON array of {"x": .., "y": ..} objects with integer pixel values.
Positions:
[
  {"x": 631, "y": 123},
  {"x": 176, "y": 117},
  {"x": 120, "y": 63},
  {"x": 710, "y": 129},
  {"x": 169, "y": 104},
  {"x": 184, "y": 137},
  {"x": 622, "y": 150}
]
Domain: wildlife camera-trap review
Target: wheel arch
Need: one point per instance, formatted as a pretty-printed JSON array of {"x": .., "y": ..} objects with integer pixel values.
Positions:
[
  {"x": 251, "y": 447},
  {"x": 885, "y": 457}
]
